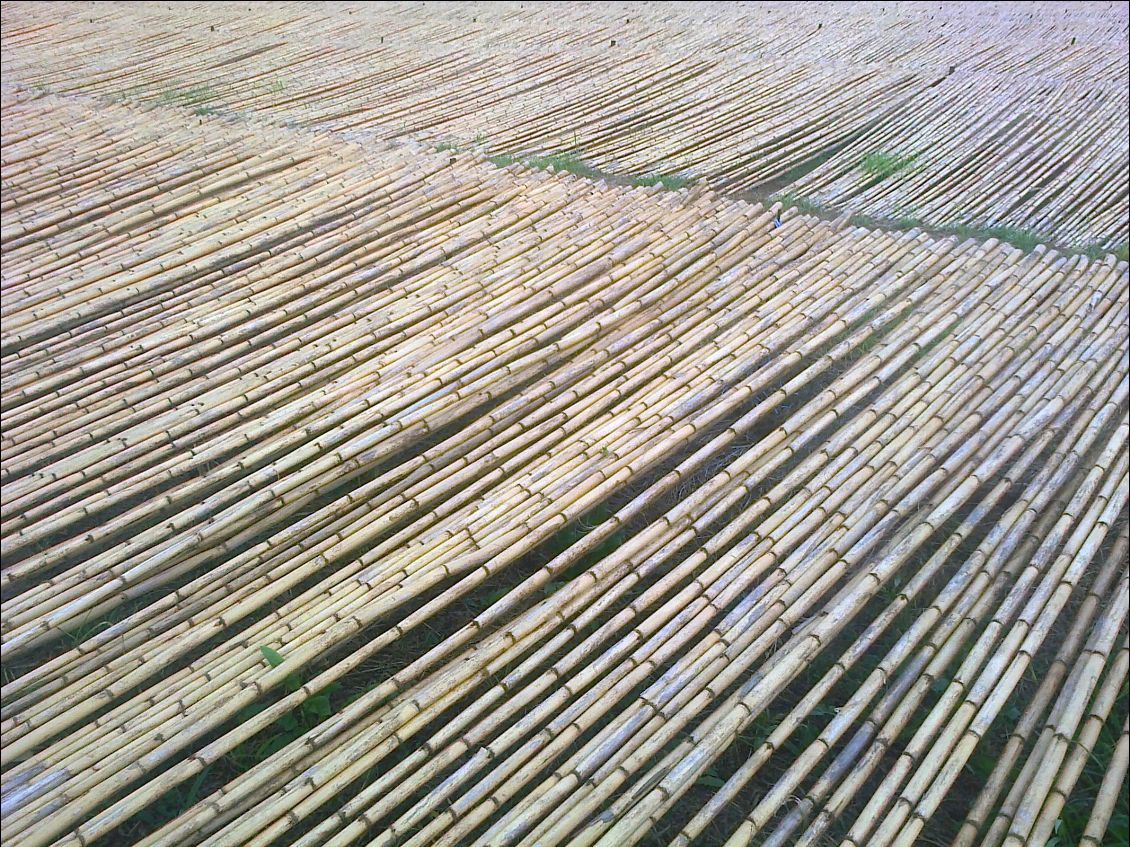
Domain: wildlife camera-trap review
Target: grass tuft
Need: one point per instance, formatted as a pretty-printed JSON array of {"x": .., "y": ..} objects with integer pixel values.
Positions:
[
  {"x": 1024, "y": 239},
  {"x": 564, "y": 162},
  {"x": 1098, "y": 251},
  {"x": 882, "y": 165},
  {"x": 670, "y": 182},
  {"x": 800, "y": 203},
  {"x": 197, "y": 95}
]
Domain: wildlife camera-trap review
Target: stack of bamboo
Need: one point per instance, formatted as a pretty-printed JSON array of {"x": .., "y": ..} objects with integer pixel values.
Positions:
[
  {"x": 727, "y": 526},
  {"x": 1010, "y": 114},
  {"x": 969, "y": 155}
]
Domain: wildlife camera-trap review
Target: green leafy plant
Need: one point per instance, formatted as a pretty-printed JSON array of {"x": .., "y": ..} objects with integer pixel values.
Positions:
[
  {"x": 287, "y": 728},
  {"x": 711, "y": 779},
  {"x": 552, "y": 587}
]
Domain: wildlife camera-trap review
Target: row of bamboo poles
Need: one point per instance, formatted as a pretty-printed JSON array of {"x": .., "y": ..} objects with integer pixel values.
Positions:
[
  {"x": 703, "y": 467},
  {"x": 1031, "y": 177},
  {"x": 1004, "y": 115}
]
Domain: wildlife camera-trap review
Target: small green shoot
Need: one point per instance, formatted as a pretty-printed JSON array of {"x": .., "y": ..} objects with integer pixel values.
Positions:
[
  {"x": 710, "y": 779},
  {"x": 287, "y": 728}
]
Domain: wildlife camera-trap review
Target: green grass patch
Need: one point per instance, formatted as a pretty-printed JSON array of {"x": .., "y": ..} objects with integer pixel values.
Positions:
[
  {"x": 800, "y": 203},
  {"x": 91, "y": 626},
  {"x": 564, "y": 162},
  {"x": 575, "y": 531},
  {"x": 1022, "y": 238},
  {"x": 882, "y": 165},
  {"x": 670, "y": 182},
  {"x": 1099, "y": 251},
  {"x": 197, "y": 95}
]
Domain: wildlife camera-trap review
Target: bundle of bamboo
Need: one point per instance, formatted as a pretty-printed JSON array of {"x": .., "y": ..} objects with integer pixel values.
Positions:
[
  {"x": 726, "y": 520},
  {"x": 951, "y": 114}
]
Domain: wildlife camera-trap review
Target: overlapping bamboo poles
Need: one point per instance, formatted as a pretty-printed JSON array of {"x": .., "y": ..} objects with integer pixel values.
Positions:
[
  {"x": 958, "y": 172},
  {"x": 376, "y": 383},
  {"x": 1009, "y": 115}
]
